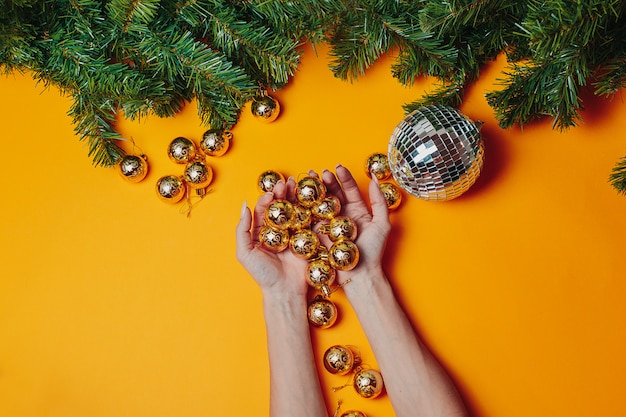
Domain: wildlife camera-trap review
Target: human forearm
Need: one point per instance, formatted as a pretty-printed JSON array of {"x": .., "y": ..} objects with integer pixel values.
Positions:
[
  {"x": 416, "y": 383},
  {"x": 294, "y": 384}
]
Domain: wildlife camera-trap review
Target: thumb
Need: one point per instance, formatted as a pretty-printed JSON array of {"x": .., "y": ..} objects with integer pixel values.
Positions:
[{"x": 377, "y": 201}]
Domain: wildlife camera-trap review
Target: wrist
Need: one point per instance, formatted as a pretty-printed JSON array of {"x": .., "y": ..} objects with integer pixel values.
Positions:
[{"x": 365, "y": 282}]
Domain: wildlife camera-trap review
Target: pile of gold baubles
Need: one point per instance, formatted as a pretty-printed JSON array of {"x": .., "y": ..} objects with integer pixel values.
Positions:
[{"x": 197, "y": 174}]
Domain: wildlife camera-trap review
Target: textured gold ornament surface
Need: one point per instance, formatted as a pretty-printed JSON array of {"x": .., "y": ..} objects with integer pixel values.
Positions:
[
  {"x": 343, "y": 255},
  {"x": 274, "y": 240},
  {"x": 392, "y": 194},
  {"x": 436, "y": 153},
  {"x": 198, "y": 174},
  {"x": 181, "y": 150},
  {"x": 302, "y": 217},
  {"x": 322, "y": 313},
  {"x": 215, "y": 142},
  {"x": 304, "y": 243},
  {"x": 319, "y": 273},
  {"x": 268, "y": 179},
  {"x": 310, "y": 191},
  {"x": 279, "y": 214},
  {"x": 368, "y": 383},
  {"x": 265, "y": 108},
  {"x": 353, "y": 413},
  {"x": 339, "y": 360},
  {"x": 328, "y": 208},
  {"x": 377, "y": 165},
  {"x": 133, "y": 168},
  {"x": 170, "y": 189}
]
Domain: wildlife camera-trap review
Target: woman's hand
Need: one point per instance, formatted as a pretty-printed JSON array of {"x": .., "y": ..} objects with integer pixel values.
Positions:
[{"x": 276, "y": 273}]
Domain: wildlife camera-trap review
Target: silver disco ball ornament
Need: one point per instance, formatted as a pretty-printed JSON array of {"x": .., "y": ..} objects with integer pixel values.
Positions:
[{"x": 436, "y": 153}]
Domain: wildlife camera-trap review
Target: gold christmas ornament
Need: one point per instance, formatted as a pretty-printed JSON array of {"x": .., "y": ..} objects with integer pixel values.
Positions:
[
  {"x": 352, "y": 413},
  {"x": 268, "y": 179},
  {"x": 181, "y": 150},
  {"x": 310, "y": 191},
  {"x": 340, "y": 227},
  {"x": 377, "y": 165},
  {"x": 320, "y": 275},
  {"x": 170, "y": 189},
  {"x": 133, "y": 168},
  {"x": 304, "y": 243},
  {"x": 322, "y": 312},
  {"x": 215, "y": 142},
  {"x": 265, "y": 108},
  {"x": 392, "y": 194},
  {"x": 302, "y": 217},
  {"x": 368, "y": 383},
  {"x": 340, "y": 360},
  {"x": 198, "y": 174},
  {"x": 274, "y": 240},
  {"x": 343, "y": 255},
  {"x": 328, "y": 208},
  {"x": 279, "y": 214}
]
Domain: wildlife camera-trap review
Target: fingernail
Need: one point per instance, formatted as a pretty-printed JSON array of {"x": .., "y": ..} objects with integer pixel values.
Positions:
[{"x": 243, "y": 208}]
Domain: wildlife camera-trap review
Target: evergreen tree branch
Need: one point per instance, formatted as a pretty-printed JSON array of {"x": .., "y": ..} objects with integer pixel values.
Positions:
[{"x": 617, "y": 178}]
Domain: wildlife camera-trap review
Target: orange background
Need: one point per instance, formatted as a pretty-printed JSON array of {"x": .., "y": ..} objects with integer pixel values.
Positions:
[{"x": 113, "y": 303}]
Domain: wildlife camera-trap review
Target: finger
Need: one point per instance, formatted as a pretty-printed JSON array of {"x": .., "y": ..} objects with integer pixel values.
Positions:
[
  {"x": 280, "y": 190},
  {"x": 291, "y": 189},
  {"x": 333, "y": 186},
  {"x": 313, "y": 173},
  {"x": 351, "y": 192},
  {"x": 380, "y": 211},
  {"x": 259, "y": 213},
  {"x": 242, "y": 234}
]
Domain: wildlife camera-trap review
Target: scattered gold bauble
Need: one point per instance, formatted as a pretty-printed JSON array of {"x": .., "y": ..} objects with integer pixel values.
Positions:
[
  {"x": 368, "y": 383},
  {"x": 268, "y": 179},
  {"x": 342, "y": 227},
  {"x": 198, "y": 174},
  {"x": 279, "y": 214},
  {"x": 392, "y": 194},
  {"x": 274, "y": 240},
  {"x": 310, "y": 191},
  {"x": 343, "y": 255},
  {"x": 304, "y": 243},
  {"x": 133, "y": 168},
  {"x": 265, "y": 108},
  {"x": 170, "y": 189},
  {"x": 181, "y": 150},
  {"x": 340, "y": 360},
  {"x": 322, "y": 312},
  {"x": 377, "y": 165},
  {"x": 215, "y": 142},
  {"x": 328, "y": 208}
]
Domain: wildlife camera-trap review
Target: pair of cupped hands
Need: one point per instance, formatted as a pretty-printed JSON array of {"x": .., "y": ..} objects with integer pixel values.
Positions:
[{"x": 283, "y": 273}]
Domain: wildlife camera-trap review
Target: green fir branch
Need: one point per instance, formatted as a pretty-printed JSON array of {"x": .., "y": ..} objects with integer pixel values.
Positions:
[{"x": 617, "y": 178}]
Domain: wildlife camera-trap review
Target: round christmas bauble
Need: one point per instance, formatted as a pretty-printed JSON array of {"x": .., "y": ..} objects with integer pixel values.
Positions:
[
  {"x": 310, "y": 191},
  {"x": 133, "y": 168},
  {"x": 436, "y": 153},
  {"x": 329, "y": 207},
  {"x": 274, "y": 240},
  {"x": 392, "y": 194},
  {"x": 343, "y": 255},
  {"x": 342, "y": 227},
  {"x": 215, "y": 142},
  {"x": 198, "y": 174},
  {"x": 265, "y": 108},
  {"x": 302, "y": 217},
  {"x": 322, "y": 312},
  {"x": 181, "y": 150},
  {"x": 353, "y": 413},
  {"x": 320, "y": 274},
  {"x": 377, "y": 165},
  {"x": 304, "y": 243},
  {"x": 368, "y": 383},
  {"x": 170, "y": 189},
  {"x": 279, "y": 214},
  {"x": 340, "y": 360},
  {"x": 268, "y": 179}
]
